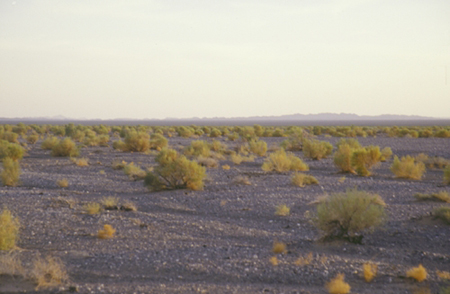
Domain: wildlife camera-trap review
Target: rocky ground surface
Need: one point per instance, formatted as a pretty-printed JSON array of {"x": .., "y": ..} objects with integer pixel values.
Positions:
[{"x": 219, "y": 240}]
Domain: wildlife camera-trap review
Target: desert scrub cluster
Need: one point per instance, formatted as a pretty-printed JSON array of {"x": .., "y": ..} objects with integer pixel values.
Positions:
[
  {"x": 10, "y": 173},
  {"x": 316, "y": 149},
  {"x": 9, "y": 230},
  {"x": 408, "y": 168},
  {"x": 350, "y": 157},
  {"x": 350, "y": 214},
  {"x": 175, "y": 171},
  {"x": 134, "y": 142},
  {"x": 282, "y": 161},
  {"x": 11, "y": 150}
]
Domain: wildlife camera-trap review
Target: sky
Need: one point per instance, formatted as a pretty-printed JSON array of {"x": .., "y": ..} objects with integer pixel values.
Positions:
[{"x": 208, "y": 58}]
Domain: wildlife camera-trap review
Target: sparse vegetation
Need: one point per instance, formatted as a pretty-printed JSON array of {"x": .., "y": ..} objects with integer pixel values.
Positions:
[
  {"x": 11, "y": 150},
  {"x": 92, "y": 208},
  {"x": 282, "y": 210},
  {"x": 443, "y": 213},
  {"x": 440, "y": 196},
  {"x": 258, "y": 147},
  {"x": 364, "y": 159},
  {"x": 242, "y": 180},
  {"x": 407, "y": 168},
  {"x": 134, "y": 172},
  {"x": 281, "y": 161},
  {"x": 110, "y": 202},
  {"x": 370, "y": 271},
  {"x": 9, "y": 230},
  {"x": 301, "y": 179},
  {"x": 447, "y": 175},
  {"x": 63, "y": 183},
  {"x": 347, "y": 215},
  {"x": 80, "y": 161},
  {"x": 49, "y": 143},
  {"x": 279, "y": 247}
]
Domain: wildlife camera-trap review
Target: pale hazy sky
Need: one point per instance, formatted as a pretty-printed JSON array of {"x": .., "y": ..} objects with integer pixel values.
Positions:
[{"x": 205, "y": 58}]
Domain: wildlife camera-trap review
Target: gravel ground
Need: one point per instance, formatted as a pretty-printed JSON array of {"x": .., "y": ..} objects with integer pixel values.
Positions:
[{"x": 219, "y": 240}]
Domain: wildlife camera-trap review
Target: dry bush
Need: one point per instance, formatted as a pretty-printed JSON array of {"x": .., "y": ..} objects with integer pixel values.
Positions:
[
  {"x": 110, "y": 203},
  {"x": 242, "y": 180},
  {"x": 337, "y": 285},
  {"x": 92, "y": 208},
  {"x": 301, "y": 179},
  {"x": 282, "y": 161},
  {"x": 440, "y": 196},
  {"x": 49, "y": 143},
  {"x": 9, "y": 229},
  {"x": 407, "y": 168},
  {"x": 443, "y": 274},
  {"x": 134, "y": 172},
  {"x": 80, "y": 161},
  {"x": 447, "y": 175},
  {"x": 237, "y": 158},
  {"x": 279, "y": 248},
  {"x": 175, "y": 171},
  {"x": 218, "y": 147},
  {"x": 316, "y": 149},
  {"x": 11, "y": 264},
  {"x": 258, "y": 147},
  {"x": 347, "y": 215},
  {"x": 353, "y": 143},
  {"x": 370, "y": 271},
  {"x": 48, "y": 273},
  {"x": 304, "y": 260},
  {"x": 118, "y": 165},
  {"x": 128, "y": 206},
  {"x": 343, "y": 158},
  {"x": 11, "y": 150},
  {"x": 65, "y": 148},
  {"x": 207, "y": 162},
  {"x": 274, "y": 261},
  {"x": 64, "y": 183},
  {"x": 226, "y": 167},
  {"x": 118, "y": 145},
  {"x": 294, "y": 143},
  {"x": 282, "y": 210},
  {"x": 418, "y": 273},
  {"x": 442, "y": 213},
  {"x": 11, "y": 172},
  {"x": 197, "y": 148},
  {"x": 107, "y": 232}
]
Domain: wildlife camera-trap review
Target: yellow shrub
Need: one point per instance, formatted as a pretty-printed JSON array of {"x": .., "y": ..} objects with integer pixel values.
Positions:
[
  {"x": 370, "y": 271},
  {"x": 316, "y": 149},
  {"x": 447, "y": 175},
  {"x": 93, "y": 208},
  {"x": 282, "y": 210},
  {"x": 9, "y": 228},
  {"x": 64, "y": 183},
  {"x": 301, "y": 179},
  {"x": 281, "y": 161},
  {"x": 407, "y": 168},
  {"x": 274, "y": 260},
  {"x": 418, "y": 273},
  {"x": 279, "y": 247},
  {"x": 11, "y": 172},
  {"x": 338, "y": 286},
  {"x": 107, "y": 232}
]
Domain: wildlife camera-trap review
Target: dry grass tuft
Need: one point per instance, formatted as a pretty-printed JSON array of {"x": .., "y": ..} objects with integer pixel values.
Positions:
[
  {"x": 10, "y": 264},
  {"x": 370, "y": 271},
  {"x": 443, "y": 275},
  {"x": 301, "y": 179},
  {"x": 134, "y": 172},
  {"x": 337, "y": 285},
  {"x": 48, "y": 273},
  {"x": 242, "y": 180},
  {"x": 107, "y": 232},
  {"x": 117, "y": 164},
  {"x": 9, "y": 229},
  {"x": 442, "y": 213},
  {"x": 207, "y": 162},
  {"x": 408, "y": 168},
  {"x": 274, "y": 260},
  {"x": 64, "y": 183},
  {"x": 279, "y": 247},
  {"x": 440, "y": 196},
  {"x": 282, "y": 210},
  {"x": 226, "y": 167},
  {"x": 128, "y": 206},
  {"x": 80, "y": 161},
  {"x": 110, "y": 202},
  {"x": 304, "y": 260},
  {"x": 418, "y": 273},
  {"x": 92, "y": 208},
  {"x": 447, "y": 175}
]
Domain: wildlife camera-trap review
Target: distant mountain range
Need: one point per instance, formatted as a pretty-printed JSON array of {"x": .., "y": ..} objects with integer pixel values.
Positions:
[{"x": 288, "y": 117}]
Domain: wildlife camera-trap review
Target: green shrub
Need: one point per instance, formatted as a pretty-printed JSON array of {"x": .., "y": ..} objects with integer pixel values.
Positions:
[
  {"x": 348, "y": 215},
  {"x": 158, "y": 141},
  {"x": 258, "y": 147},
  {"x": 447, "y": 175},
  {"x": 11, "y": 172},
  {"x": 364, "y": 159},
  {"x": 175, "y": 171},
  {"x": 9, "y": 229},
  {"x": 11, "y": 150},
  {"x": 65, "y": 148},
  {"x": 316, "y": 149},
  {"x": 197, "y": 148},
  {"x": 281, "y": 161},
  {"x": 407, "y": 168},
  {"x": 301, "y": 179},
  {"x": 49, "y": 143}
]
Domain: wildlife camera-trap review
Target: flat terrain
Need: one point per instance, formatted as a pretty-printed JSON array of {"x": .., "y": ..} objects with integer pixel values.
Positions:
[{"x": 219, "y": 240}]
